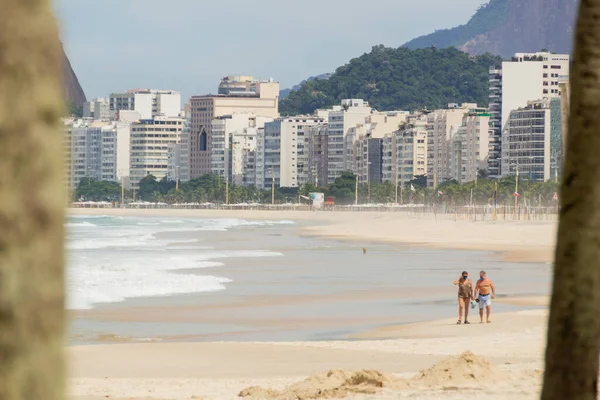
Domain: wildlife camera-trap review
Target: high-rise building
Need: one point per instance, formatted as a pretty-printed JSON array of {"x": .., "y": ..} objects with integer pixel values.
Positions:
[
  {"x": 98, "y": 109},
  {"x": 233, "y": 136},
  {"x": 532, "y": 141},
  {"x": 470, "y": 147},
  {"x": 149, "y": 103},
  {"x": 442, "y": 125},
  {"x": 261, "y": 99},
  {"x": 92, "y": 151},
  {"x": 525, "y": 77},
  {"x": 317, "y": 154},
  {"x": 342, "y": 118},
  {"x": 284, "y": 147},
  {"x": 150, "y": 140}
]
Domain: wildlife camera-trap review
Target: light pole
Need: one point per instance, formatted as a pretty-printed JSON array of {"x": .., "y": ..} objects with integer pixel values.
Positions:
[
  {"x": 396, "y": 183},
  {"x": 368, "y": 182},
  {"x": 356, "y": 191},
  {"x": 272, "y": 186}
]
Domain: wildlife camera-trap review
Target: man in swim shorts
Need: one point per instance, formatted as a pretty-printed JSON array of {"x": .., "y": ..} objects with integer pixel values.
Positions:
[{"x": 485, "y": 292}]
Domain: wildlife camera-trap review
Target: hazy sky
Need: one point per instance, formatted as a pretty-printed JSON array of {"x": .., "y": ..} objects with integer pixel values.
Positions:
[{"x": 188, "y": 45}]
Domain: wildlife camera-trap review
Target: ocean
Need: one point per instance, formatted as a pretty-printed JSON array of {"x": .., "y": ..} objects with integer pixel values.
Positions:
[{"x": 182, "y": 279}]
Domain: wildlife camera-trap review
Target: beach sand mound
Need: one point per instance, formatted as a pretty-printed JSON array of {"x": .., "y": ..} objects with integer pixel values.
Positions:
[
  {"x": 334, "y": 384},
  {"x": 464, "y": 369}
]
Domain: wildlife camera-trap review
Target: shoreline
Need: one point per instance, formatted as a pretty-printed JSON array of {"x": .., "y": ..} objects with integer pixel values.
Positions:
[
  {"x": 219, "y": 370},
  {"x": 513, "y": 241}
]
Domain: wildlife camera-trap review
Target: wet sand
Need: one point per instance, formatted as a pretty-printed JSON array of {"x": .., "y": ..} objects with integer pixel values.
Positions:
[{"x": 218, "y": 370}]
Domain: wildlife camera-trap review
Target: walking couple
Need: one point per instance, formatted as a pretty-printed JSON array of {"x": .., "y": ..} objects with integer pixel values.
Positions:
[{"x": 483, "y": 293}]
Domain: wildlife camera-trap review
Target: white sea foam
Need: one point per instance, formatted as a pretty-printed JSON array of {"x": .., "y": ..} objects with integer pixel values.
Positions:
[{"x": 113, "y": 259}]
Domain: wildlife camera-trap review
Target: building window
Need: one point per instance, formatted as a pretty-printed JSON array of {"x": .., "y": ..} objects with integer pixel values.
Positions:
[{"x": 203, "y": 141}]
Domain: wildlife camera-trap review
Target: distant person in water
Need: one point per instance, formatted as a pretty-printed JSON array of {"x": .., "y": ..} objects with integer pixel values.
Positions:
[
  {"x": 364, "y": 250},
  {"x": 485, "y": 293},
  {"x": 465, "y": 294}
]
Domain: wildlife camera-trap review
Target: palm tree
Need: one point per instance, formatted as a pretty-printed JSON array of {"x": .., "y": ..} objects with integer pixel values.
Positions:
[
  {"x": 573, "y": 349},
  {"x": 32, "y": 200}
]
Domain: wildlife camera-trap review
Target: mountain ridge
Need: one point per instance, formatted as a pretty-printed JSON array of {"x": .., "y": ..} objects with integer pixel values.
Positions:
[{"x": 505, "y": 27}]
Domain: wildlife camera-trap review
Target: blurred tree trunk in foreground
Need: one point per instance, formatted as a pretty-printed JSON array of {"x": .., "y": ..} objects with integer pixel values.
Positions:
[
  {"x": 574, "y": 327},
  {"x": 31, "y": 203}
]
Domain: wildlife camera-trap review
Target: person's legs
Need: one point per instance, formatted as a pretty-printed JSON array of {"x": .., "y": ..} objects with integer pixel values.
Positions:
[
  {"x": 481, "y": 302},
  {"x": 488, "y": 310},
  {"x": 461, "y": 306},
  {"x": 467, "y": 304}
]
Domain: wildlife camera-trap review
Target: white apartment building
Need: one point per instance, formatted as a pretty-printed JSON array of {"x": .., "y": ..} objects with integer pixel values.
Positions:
[
  {"x": 184, "y": 150},
  {"x": 258, "y": 97},
  {"x": 341, "y": 119},
  {"x": 98, "y": 109},
  {"x": 442, "y": 125},
  {"x": 150, "y": 139},
  {"x": 532, "y": 141},
  {"x": 470, "y": 147},
  {"x": 526, "y": 77},
  {"x": 232, "y": 137},
  {"x": 404, "y": 152},
  {"x": 284, "y": 149},
  {"x": 91, "y": 151},
  {"x": 149, "y": 103}
]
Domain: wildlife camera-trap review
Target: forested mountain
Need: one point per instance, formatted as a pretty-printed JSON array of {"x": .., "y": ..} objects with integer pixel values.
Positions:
[
  {"x": 285, "y": 92},
  {"x": 72, "y": 89},
  {"x": 506, "y": 27},
  {"x": 399, "y": 79}
]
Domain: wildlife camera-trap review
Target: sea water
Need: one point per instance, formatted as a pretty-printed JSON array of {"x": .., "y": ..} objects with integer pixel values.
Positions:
[{"x": 111, "y": 259}]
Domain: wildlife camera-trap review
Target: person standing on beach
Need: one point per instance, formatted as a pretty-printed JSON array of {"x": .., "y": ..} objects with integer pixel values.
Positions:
[
  {"x": 465, "y": 294},
  {"x": 485, "y": 292}
]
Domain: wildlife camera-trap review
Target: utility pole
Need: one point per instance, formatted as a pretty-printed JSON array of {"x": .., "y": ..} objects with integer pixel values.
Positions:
[
  {"x": 122, "y": 192},
  {"x": 272, "y": 186},
  {"x": 495, "y": 199},
  {"x": 368, "y": 182},
  {"x": 356, "y": 191},
  {"x": 517, "y": 190},
  {"x": 396, "y": 183},
  {"x": 227, "y": 189}
]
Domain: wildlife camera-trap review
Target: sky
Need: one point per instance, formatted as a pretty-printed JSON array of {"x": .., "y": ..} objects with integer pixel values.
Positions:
[{"x": 188, "y": 45}]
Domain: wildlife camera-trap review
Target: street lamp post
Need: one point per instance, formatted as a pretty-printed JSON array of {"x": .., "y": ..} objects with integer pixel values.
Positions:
[{"x": 368, "y": 182}]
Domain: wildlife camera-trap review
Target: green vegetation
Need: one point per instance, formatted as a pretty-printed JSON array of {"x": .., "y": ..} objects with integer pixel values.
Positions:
[
  {"x": 485, "y": 19},
  {"x": 74, "y": 110},
  {"x": 399, "y": 79},
  {"x": 93, "y": 190}
]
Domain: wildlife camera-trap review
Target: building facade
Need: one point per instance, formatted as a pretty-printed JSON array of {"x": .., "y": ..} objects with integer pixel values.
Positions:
[
  {"x": 150, "y": 140},
  {"x": 261, "y": 99},
  {"x": 470, "y": 147},
  {"x": 98, "y": 109},
  {"x": 149, "y": 103},
  {"x": 531, "y": 141},
  {"x": 526, "y": 77}
]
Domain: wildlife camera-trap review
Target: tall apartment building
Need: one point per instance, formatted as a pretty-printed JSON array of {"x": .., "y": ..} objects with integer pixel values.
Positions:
[
  {"x": 237, "y": 84},
  {"x": 404, "y": 152},
  {"x": 317, "y": 154},
  {"x": 98, "y": 109},
  {"x": 150, "y": 140},
  {"x": 91, "y": 151},
  {"x": 341, "y": 119},
  {"x": 284, "y": 147},
  {"x": 442, "y": 125},
  {"x": 526, "y": 77},
  {"x": 233, "y": 136},
  {"x": 261, "y": 99},
  {"x": 532, "y": 141},
  {"x": 149, "y": 103},
  {"x": 470, "y": 146},
  {"x": 184, "y": 149}
]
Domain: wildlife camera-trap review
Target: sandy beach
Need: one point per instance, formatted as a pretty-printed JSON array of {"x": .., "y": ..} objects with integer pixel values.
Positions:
[{"x": 512, "y": 344}]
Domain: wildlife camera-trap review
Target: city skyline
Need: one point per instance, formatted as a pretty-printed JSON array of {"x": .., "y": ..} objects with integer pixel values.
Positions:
[{"x": 123, "y": 45}]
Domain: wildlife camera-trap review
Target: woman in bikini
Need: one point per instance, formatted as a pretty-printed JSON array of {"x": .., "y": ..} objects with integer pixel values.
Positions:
[{"x": 465, "y": 294}]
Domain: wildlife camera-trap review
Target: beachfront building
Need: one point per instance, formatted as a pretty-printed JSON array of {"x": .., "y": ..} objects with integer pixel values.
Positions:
[
  {"x": 532, "y": 141},
  {"x": 98, "y": 109},
  {"x": 284, "y": 150},
  {"x": 442, "y": 125},
  {"x": 149, "y": 103},
  {"x": 470, "y": 147},
  {"x": 184, "y": 150},
  {"x": 95, "y": 149},
  {"x": 341, "y": 119},
  {"x": 260, "y": 98},
  {"x": 150, "y": 140},
  {"x": 525, "y": 77},
  {"x": 234, "y": 137},
  {"x": 317, "y": 154}
]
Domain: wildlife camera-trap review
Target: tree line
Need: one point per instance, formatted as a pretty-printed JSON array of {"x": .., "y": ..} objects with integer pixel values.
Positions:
[{"x": 212, "y": 188}]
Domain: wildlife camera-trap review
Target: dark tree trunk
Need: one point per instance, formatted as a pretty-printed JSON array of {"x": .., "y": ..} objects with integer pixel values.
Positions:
[
  {"x": 31, "y": 203},
  {"x": 574, "y": 328}
]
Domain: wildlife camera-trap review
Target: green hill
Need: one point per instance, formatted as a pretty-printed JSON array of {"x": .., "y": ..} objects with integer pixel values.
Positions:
[{"x": 400, "y": 79}]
